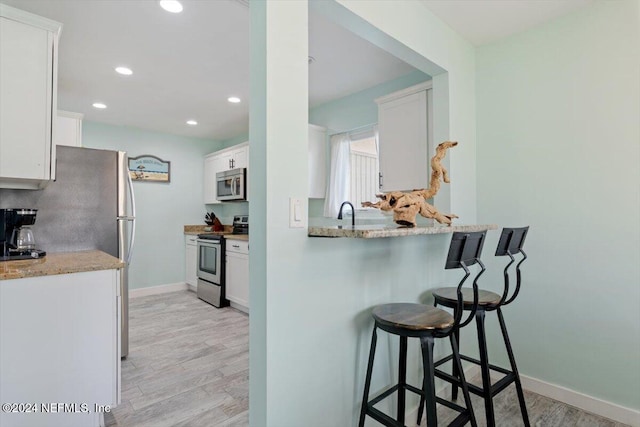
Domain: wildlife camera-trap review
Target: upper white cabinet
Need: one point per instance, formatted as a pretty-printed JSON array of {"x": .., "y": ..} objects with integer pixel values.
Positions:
[
  {"x": 240, "y": 156},
  {"x": 209, "y": 186},
  {"x": 317, "y": 162},
  {"x": 68, "y": 129},
  {"x": 403, "y": 125},
  {"x": 230, "y": 158},
  {"x": 28, "y": 86}
]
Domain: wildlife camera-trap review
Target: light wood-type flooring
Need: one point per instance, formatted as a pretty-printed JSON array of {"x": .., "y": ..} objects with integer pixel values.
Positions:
[{"x": 188, "y": 366}]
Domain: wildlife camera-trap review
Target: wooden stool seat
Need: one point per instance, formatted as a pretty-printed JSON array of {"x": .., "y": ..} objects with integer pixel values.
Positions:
[
  {"x": 449, "y": 297},
  {"x": 414, "y": 317}
]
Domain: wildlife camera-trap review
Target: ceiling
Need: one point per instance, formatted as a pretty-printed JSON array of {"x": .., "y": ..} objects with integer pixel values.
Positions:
[
  {"x": 186, "y": 65},
  {"x": 485, "y": 21}
]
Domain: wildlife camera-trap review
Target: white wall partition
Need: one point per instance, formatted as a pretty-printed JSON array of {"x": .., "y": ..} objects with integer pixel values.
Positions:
[{"x": 311, "y": 298}]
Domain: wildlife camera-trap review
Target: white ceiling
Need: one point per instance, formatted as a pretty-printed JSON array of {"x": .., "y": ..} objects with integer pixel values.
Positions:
[
  {"x": 186, "y": 65},
  {"x": 485, "y": 21}
]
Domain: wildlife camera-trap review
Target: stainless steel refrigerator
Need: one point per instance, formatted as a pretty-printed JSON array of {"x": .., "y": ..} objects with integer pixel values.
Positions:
[{"x": 90, "y": 205}]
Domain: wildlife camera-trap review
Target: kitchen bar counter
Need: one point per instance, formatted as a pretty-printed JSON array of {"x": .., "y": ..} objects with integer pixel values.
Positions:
[
  {"x": 59, "y": 263},
  {"x": 379, "y": 231}
]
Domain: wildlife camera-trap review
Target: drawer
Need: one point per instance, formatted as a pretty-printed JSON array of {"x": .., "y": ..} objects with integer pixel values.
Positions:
[{"x": 238, "y": 246}]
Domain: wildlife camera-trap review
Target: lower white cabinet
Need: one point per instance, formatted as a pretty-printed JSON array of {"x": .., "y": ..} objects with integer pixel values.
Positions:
[
  {"x": 237, "y": 273},
  {"x": 60, "y": 344},
  {"x": 191, "y": 261}
]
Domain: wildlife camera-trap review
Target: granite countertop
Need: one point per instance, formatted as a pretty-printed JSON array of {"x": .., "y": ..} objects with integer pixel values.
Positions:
[
  {"x": 194, "y": 230},
  {"x": 59, "y": 263},
  {"x": 243, "y": 237},
  {"x": 378, "y": 231}
]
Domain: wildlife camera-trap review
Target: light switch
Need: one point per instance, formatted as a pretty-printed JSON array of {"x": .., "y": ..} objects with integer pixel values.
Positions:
[{"x": 297, "y": 213}]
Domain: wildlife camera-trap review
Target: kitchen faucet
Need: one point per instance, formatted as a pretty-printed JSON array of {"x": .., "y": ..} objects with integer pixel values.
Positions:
[{"x": 353, "y": 213}]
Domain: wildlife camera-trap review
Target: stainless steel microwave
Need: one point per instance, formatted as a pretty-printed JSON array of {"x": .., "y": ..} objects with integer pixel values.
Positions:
[{"x": 232, "y": 185}]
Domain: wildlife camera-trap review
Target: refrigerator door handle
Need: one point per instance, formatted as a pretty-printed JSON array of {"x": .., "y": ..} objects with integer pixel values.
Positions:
[{"x": 133, "y": 218}]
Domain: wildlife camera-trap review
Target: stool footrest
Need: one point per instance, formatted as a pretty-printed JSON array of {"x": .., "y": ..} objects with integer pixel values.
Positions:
[
  {"x": 502, "y": 384},
  {"x": 382, "y": 418},
  {"x": 492, "y": 367},
  {"x": 450, "y": 405},
  {"x": 444, "y": 360},
  {"x": 384, "y": 395},
  {"x": 447, "y": 377}
]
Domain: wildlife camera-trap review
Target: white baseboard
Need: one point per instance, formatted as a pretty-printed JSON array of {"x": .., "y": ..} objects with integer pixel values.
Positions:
[
  {"x": 582, "y": 401},
  {"x": 579, "y": 400},
  {"x": 160, "y": 289}
]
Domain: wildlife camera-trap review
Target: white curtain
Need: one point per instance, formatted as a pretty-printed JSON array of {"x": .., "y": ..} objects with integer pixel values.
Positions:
[{"x": 339, "y": 181}]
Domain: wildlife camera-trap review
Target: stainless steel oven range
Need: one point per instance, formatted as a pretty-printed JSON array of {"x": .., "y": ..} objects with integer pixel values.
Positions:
[{"x": 211, "y": 286}]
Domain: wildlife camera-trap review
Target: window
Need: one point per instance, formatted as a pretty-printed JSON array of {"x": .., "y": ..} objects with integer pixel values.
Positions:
[{"x": 364, "y": 168}]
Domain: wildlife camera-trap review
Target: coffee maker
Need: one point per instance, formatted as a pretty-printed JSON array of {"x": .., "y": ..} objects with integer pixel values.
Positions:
[{"x": 16, "y": 236}]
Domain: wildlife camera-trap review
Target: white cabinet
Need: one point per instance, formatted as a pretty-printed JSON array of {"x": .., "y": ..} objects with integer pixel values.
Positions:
[
  {"x": 28, "y": 84},
  {"x": 317, "y": 162},
  {"x": 403, "y": 119},
  {"x": 237, "y": 273},
  {"x": 60, "y": 342},
  {"x": 230, "y": 158},
  {"x": 210, "y": 186},
  {"x": 68, "y": 129},
  {"x": 240, "y": 157},
  {"x": 191, "y": 261}
]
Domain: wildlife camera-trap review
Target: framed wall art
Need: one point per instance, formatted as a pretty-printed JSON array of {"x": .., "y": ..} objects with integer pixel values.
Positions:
[{"x": 149, "y": 168}]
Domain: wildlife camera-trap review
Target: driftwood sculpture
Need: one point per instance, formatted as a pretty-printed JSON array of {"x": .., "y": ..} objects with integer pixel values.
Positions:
[{"x": 406, "y": 206}]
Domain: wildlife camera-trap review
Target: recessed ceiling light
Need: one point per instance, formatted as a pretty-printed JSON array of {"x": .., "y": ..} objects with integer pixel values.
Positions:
[
  {"x": 192, "y": 122},
  {"x": 124, "y": 71},
  {"x": 172, "y": 6},
  {"x": 233, "y": 99},
  {"x": 99, "y": 105}
]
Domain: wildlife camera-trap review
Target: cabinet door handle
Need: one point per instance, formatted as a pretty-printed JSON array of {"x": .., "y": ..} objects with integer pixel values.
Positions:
[
  {"x": 236, "y": 246},
  {"x": 380, "y": 180}
]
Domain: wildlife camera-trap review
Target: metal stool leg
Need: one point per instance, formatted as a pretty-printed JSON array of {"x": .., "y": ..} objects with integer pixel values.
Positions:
[
  {"x": 484, "y": 368},
  {"x": 514, "y": 369},
  {"x": 402, "y": 379},
  {"x": 428, "y": 386},
  {"x": 465, "y": 389},
  {"x": 454, "y": 366},
  {"x": 367, "y": 381}
]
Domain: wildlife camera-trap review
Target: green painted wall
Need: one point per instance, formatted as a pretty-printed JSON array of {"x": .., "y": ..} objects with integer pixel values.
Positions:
[
  {"x": 162, "y": 209},
  {"x": 559, "y": 149},
  {"x": 311, "y": 298}
]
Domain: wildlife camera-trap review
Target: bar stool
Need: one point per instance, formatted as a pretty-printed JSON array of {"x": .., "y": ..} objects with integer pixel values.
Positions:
[
  {"x": 510, "y": 243},
  {"x": 426, "y": 323}
]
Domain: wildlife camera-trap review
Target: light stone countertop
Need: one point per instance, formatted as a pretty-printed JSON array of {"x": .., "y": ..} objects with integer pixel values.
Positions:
[
  {"x": 59, "y": 263},
  {"x": 243, "y": 237},
  {"x": 380, "y": 231},
  {"x": 194, "y": 230}
]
